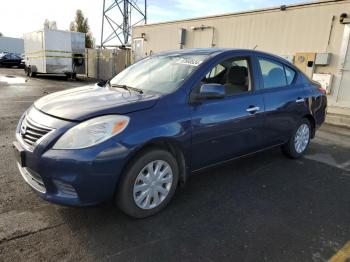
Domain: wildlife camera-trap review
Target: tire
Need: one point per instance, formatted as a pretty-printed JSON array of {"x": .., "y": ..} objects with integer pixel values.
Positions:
[
  {"x": 31, "y": 73},
  {"x": 127, "y": 193},
  {"x": 291, "y": 148}
]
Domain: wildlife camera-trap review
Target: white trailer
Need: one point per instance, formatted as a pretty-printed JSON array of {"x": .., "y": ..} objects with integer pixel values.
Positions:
[{"x": 54, "y": 52}]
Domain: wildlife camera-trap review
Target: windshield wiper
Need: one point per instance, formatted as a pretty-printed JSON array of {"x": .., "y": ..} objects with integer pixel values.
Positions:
[{"x": 129, "y": 88}]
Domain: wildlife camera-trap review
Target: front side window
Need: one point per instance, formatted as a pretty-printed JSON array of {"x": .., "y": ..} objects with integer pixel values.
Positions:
[
  {"x": 275, "y": 74},
  {"x": 233, "y": 73},
  {"x": 161, "y": 74}
]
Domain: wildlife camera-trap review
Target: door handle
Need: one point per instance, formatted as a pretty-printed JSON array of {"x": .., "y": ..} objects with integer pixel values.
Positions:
[
  {"x": 253, "y": 109},
  {"x": 300, "y": 100}
]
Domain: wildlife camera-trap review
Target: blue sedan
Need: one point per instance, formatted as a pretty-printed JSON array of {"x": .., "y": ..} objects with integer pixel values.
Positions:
[{"x": 135, "y": 138}]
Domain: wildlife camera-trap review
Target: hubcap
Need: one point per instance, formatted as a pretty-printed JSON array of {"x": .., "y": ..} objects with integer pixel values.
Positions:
[
  {"x": 152, "y": 185},
  {"x": 302, "y": 137}
]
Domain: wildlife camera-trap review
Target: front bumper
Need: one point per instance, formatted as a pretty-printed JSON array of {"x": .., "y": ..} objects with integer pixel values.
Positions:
[
  {"x": 76, "y": 177},
  {"x": 70, "y": 177}
]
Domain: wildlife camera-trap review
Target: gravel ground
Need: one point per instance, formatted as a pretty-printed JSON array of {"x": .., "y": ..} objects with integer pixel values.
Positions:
[{"x": 261, "y": 208}]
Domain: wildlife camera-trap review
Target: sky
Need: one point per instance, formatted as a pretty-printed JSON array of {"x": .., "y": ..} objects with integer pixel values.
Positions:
[{"x": 21, "y": 16}]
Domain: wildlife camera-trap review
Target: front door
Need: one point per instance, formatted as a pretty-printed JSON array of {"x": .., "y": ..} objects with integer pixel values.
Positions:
[{"x": 228, "y": 127}]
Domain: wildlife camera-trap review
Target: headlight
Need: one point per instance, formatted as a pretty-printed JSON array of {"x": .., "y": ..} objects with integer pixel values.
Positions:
[{"x": 92, "y": 132}]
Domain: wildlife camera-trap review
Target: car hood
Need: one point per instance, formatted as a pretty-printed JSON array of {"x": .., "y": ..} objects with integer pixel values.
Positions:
[{"x": 82, "y": 103}]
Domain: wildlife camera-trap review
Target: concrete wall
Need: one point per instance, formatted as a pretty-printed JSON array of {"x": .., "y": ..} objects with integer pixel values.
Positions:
[
  {"x": 11, "y": 45},
  {"x": 311, "y": 28},
  {"x": 106, "y": 63}
]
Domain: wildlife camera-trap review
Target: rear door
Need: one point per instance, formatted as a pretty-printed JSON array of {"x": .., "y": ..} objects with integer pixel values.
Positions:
[
  {"x": 228, "y": 127},
  {"x": 285, "y": 99}
]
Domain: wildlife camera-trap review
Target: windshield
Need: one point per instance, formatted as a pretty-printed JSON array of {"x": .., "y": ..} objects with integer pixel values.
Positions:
[{"x": 161, "y": 74}]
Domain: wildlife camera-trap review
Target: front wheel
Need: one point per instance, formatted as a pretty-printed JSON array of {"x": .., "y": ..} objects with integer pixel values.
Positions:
[
  {"x": 300, "y": 140},
  {"x": 148, "y": 184}
]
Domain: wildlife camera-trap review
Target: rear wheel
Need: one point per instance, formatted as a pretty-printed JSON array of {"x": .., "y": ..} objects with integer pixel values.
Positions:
[
  {"x": 300, "y": 140},
  {"x": 148, "y": 184}
]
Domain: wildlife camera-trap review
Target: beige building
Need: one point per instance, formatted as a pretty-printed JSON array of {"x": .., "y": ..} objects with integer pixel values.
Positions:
[{"x": 314, "y": 36}]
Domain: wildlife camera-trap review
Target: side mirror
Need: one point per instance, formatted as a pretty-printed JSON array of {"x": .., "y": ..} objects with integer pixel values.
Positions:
[
  {"x": 208, "y": 91},
  {"x": 211, "y": 91},
  {"x": 102, "y": 83}
]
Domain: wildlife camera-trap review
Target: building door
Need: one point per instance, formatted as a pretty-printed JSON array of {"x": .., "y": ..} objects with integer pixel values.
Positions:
[
  {"x": 202, "y": 38},
  {"x": 344, "y": 87},
  {"x": 137, "y": 49}
]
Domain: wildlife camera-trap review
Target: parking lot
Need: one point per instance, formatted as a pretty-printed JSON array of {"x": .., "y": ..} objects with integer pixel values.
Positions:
[{"x": 260, "y": 208}]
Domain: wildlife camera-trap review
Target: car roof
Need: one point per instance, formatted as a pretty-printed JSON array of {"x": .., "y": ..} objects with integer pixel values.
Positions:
[
  {"x": 216, "y": 51},
  {"x": 209, "y": 51},
  {"x": 194, "y": 51}
]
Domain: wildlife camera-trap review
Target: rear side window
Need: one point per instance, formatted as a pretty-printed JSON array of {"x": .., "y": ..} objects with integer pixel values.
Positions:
[{"x": 275, "y": 74}]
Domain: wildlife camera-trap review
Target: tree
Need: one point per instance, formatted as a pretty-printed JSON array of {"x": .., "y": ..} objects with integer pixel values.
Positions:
[
  {"x": 1, "y": 34},
  {"x": 50, "y": 24},
  {"x": 81, "y": 24}
]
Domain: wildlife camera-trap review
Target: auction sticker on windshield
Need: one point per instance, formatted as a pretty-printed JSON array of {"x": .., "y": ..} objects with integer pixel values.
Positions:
[{"x": 189, "y": 61}]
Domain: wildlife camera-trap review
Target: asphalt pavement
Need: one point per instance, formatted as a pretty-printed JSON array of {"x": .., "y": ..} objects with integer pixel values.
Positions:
[{"x": 264, "y": 207}]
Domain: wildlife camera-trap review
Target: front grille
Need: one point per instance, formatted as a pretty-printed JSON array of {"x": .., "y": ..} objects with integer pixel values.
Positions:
[{"x": 31, "y": 132}]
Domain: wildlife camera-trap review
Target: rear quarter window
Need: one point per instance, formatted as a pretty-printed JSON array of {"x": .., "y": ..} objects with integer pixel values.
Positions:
[{"x": 290, "y": 74}]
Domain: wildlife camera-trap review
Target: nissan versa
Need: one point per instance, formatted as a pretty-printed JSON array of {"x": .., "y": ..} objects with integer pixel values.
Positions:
[{"x": 134, "y": 138}]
